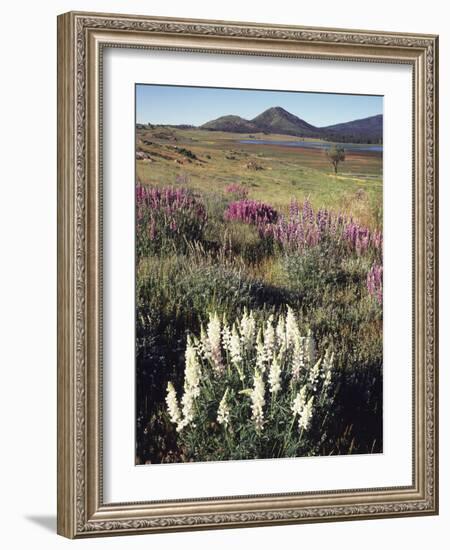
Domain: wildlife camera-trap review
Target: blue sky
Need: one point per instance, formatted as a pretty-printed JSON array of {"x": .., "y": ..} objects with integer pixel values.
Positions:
[{"x": 192, "y": 105}]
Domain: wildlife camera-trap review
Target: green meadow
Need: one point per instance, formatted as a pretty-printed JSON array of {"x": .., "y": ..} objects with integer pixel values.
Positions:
[
  {"x": 258, "y": 297},
  {"x": 272, "y": 173}
]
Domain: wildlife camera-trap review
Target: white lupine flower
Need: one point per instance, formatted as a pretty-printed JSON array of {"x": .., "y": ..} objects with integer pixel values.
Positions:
[
  {"x": 260, "y": 353},
  {"x": 292, "y": 330},
  {"x": 214, "y": 340},
  {"x": 192, "y": 374},
  {"x": 303, "y": 408},
  {"x": 226, "y": 337},
  {"x": 213, "y": 331},
  {"x": 281, "y": 331},
  {"x": 275, "y": 375},
  {"x": 269, "y": 339},
  {"x": 204, "y": 344},
  {"x": 223, "y": 412},
  {"x": 187, "y": 402},
  {"x": 248, "y": 329},
  {"x": 192, "y": 370},
  {"x": 172, "y": 404},
  {"x": 306, "y": 415},
  {"x": 282, "y": 351},
  {"x": 299, "y": 401},
  {"x": 314, "y": 374},
  {"x": 235, "y": 347},
  {"x": 258, "y": 401}
]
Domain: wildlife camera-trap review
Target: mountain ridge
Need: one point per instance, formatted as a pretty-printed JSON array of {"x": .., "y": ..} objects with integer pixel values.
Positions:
[{"x": 277, "y": 120}]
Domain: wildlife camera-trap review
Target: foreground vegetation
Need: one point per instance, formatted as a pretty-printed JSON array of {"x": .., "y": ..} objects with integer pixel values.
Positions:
[{"x": 225, "y": 265}]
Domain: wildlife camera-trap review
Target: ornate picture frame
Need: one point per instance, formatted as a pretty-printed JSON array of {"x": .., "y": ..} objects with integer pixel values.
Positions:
[{"x": 82, "y": 38}]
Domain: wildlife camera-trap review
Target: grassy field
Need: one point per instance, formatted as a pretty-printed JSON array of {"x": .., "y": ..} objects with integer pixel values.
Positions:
[
  {"x": 281, "y": 173},
  {"x": 258, "y": 298}
]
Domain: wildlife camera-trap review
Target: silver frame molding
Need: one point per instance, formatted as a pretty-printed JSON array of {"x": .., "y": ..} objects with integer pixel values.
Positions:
[{"x": 81, "y": 39}]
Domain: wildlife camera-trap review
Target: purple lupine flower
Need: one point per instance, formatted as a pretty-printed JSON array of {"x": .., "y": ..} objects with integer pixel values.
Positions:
[
  {"x": 167, "y": 214},
  {"x": 360, "y": 238},
  {"x": 323, "y": 220},
  {"x": 375, "y": 282},
  {"x": 251, "y": 212},
  {"x": 304, "y": 229},
  {"x": 307, "y": 212},
  {"x": 294, "y": 209},
  {"x": 377, "y": 240}
]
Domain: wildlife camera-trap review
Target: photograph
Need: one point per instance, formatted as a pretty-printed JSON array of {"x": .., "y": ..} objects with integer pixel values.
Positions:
[
  {"x": 258, "y": 274},
  {"x": 247, "y": 273}
]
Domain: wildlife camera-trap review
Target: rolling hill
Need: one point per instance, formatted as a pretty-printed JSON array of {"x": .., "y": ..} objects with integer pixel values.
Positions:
[{"x": 231, "y": 123}]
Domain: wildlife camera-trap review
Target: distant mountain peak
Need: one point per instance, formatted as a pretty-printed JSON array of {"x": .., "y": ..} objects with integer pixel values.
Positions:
[
  {"x": 278, "y": 120},
  {"x": 277, "y": 109}
]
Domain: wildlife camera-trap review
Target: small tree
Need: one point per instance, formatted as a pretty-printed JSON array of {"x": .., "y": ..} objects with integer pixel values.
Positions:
[{"x": 335, "y": 155}]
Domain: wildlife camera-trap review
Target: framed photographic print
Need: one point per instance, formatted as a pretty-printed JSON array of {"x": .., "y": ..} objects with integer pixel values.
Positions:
[{"x": 247, "y": 274}]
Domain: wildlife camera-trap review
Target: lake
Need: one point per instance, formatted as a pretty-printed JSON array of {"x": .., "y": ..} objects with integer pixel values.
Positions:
[{"x": 366, "y": 148}]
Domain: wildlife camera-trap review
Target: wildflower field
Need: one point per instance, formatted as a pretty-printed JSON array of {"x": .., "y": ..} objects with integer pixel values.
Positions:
[{"x": 258, "y": 300}]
